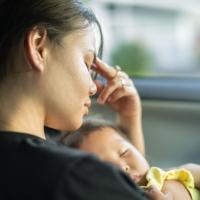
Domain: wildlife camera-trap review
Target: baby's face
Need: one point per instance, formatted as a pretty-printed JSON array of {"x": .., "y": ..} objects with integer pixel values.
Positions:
[{"x": 110, "y": 146}]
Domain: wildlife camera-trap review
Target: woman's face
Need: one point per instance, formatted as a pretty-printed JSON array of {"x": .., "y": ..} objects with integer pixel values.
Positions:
[
  {"x": 111, "y": 147},
  {"x": 68, "y": 84}
]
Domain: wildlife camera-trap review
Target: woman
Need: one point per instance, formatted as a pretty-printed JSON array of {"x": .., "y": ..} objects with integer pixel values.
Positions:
[{"x": 47, "y": 49}]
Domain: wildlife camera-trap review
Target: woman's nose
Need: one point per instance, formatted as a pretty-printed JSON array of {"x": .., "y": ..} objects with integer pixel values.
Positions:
[{"x": 93, "y": 88}]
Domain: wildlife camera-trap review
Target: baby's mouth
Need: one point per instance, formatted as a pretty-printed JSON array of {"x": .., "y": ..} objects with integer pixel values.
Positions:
[
  {"x": 139, "y": 179},
  {"x": 135, "y": 177}
]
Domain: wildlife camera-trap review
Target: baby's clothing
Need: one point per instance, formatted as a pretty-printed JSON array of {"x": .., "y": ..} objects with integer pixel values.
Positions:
[{"x": 157, "y": 176}]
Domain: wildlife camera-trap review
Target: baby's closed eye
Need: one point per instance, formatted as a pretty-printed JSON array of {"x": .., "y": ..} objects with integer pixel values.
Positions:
[{"x": 124, "y": 152}]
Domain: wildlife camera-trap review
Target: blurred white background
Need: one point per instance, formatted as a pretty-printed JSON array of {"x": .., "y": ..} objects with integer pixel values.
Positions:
[{"x": 168, "y": 30}]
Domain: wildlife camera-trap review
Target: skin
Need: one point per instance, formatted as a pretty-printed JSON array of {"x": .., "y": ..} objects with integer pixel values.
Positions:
[
  {"x": 108, "y": 145},
  {"x": 53, "y": 84},
  {"x": 111, "y": 147},
  {"x": 155, "y": 194},
  {"x": 72, "y": 63},
  {"x": 177, "y": 189}
]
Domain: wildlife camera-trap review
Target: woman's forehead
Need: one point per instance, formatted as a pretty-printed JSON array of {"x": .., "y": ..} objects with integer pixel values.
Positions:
[{"x": 84, "y": 39}]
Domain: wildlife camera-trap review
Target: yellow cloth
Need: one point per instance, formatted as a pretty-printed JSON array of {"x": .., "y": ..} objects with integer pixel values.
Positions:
[{"x": 157, "y": 176}]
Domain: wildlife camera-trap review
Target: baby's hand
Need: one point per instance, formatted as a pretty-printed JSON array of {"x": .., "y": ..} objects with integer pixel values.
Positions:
[
  {"x": 195, "y": 170},
  {"x": 155, "y": 194}
]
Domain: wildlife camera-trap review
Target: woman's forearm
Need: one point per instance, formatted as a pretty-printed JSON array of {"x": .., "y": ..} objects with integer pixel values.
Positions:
[{"x": 132, "y": 127}]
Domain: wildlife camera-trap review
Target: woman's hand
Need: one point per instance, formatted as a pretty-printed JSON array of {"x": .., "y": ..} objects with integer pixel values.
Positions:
[
  {"x": 119, "y": 92},
  {"x": 121, "y": 95}
]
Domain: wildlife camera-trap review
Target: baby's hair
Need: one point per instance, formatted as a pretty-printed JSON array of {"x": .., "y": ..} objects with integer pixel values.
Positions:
[{"x": 75, "y": 139}]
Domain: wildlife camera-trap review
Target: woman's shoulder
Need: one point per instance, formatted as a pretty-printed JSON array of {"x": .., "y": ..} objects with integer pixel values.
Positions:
[
  {"x": 61, "y": 171},
  {"x": 29, "y": 148}
]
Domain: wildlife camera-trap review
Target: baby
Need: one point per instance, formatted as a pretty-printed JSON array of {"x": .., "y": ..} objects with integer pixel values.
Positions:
[{"x": 109, "y": 143}]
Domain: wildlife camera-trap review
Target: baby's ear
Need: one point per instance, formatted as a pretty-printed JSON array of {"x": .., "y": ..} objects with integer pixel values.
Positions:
[{"x": 35, "y": 47}]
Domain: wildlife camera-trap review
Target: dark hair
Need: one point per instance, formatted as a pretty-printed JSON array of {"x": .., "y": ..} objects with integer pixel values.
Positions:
[
  {"x": 58, "y": 17},
  {"x": 75, "y": 139}
]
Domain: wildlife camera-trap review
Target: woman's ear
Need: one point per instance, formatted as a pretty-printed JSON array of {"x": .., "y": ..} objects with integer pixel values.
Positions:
[{"x": 36, "y": 47}]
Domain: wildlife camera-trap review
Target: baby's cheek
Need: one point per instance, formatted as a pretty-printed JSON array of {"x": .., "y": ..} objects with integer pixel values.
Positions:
[{"x": 144, "y": 167}]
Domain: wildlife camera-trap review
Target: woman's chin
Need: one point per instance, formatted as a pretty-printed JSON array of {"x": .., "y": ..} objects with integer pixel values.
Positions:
[{"x": 76, "y": 125}]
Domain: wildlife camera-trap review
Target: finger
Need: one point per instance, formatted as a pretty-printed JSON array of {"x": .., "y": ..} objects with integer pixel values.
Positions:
[
  {"x": 126, "y": 82},
  {"x": 99, "y": 86},
  {"x": 108, "y": 90},
  {"x": 104, "y": 70},
  {"x": 126, "y": 86},
  {"x": 120, "y": 93},
  {"x": 123, "y": 74}
]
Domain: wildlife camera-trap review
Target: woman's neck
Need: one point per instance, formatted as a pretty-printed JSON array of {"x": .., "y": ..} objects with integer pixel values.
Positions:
[
  {"x": 15, "y": 124},
  {"x": 21, "y": 112}
]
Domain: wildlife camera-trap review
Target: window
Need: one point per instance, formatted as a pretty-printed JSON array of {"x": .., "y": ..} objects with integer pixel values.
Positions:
[
  {"x": 151, "y": 38},
  {"x": 158, "y": 44}
]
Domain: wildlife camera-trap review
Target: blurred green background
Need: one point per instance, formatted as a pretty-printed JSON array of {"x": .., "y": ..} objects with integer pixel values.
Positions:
[{"x": 134, "y": 58}]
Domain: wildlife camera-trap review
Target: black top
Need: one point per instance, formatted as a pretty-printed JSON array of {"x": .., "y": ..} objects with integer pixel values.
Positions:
[{"x": 33, "y": 168}]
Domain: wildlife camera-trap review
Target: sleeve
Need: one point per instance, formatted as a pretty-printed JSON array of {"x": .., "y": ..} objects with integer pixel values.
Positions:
[{"x": 91, "y": 179}]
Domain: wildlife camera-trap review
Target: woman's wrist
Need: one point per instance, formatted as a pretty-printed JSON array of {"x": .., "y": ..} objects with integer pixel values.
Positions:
[
  {"x": 132, "y": 128},
  {"x": 128, "y": 123}
]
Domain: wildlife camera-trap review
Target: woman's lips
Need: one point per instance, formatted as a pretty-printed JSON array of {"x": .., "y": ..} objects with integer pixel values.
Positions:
[{"x": 87, "y": 106}]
